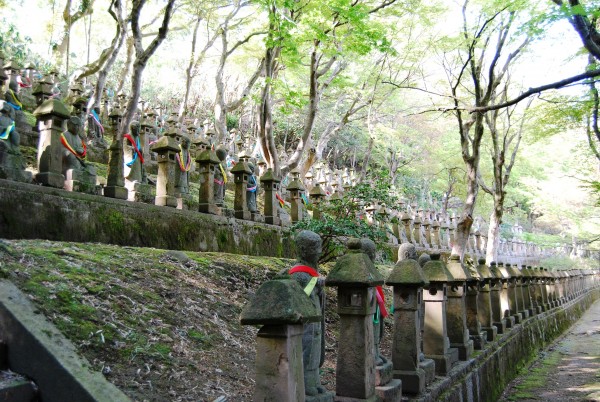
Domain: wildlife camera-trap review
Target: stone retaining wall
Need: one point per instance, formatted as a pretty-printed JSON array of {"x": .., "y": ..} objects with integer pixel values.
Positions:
[
  {"x": 484, "y": 377},
  {"x": 35, "y": 212}
]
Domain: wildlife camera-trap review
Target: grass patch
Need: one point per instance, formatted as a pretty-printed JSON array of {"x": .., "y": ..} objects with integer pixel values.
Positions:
[{"x": 536, "y": 377}]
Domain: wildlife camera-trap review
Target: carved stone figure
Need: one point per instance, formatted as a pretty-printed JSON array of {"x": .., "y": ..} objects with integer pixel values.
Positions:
[
  {"x": 308, "y": 246},
  {"x": 12, "y": 165},
  {"x": 220, "y": 176},
  {"x": 251, "y": 190},
  {"x": 185, "y": 163},
  {"x": 424, "y": 258},
  {"x": 407, "y": 251},
  {"x": 369, "y": 248},
  {"x": 74, "y": 149},
  {"x": 134, "y": 155}
]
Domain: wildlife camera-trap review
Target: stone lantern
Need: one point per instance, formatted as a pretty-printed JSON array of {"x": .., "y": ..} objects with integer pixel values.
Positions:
[
  {"x": 527, "y": 291},
  {"x": 147, "y": 132},
  {"x": 271, "y": 183},
  {"x": 296, "y": 189},
  {"x": 51, "y": 116},
  {"x": 405, "y": 218},
  {"x": 167, "y": 147},
  {"x": 484, "y": 304},
  {"x": 43, "y": 90},
  {"x": 282, "y": 308},
  {"x": 317, "y": 194},
  {"x": 456, "y": 309},
  {"x": 408, "y": 281},
  {"x": 241, "y": 174},
  {"x": 416, "y": 234},
  {"x": 436, "y": 344},
  {"x": 355, "y": 276},
  {"x": 207, "y": 162},
  {"x": 499, "y": 303}
]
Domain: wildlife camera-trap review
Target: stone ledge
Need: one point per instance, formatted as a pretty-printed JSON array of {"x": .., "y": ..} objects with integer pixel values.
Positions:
[
  {"x": 38, "y": 350},
  {"x": 488, "y": 372},
  {"x": 34, "y": 212}
]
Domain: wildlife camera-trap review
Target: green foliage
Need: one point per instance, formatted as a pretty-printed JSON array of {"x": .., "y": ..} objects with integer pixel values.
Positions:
[
  {"x": 344, "y": 216},
  {"x": 14, "y": 45}
]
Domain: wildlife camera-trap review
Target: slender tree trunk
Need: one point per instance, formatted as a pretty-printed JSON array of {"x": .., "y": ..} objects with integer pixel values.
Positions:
[
  {"x": 189, "y": 70},
  {"x": 127, "y": 66},
  {"x": 491, "y": 253}
]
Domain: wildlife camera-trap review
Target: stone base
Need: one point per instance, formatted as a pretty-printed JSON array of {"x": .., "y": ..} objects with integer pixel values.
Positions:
[
  {"x": 384, "y": 373},
  {"x": 390, "y": 392},
  {"x": 118, "y": 192},
  {"x": 510, "y": 321},
  {"x": 524, "y": 314},
  {"x": 166, "y": 201},
  {"x": 337, "y": 398},
  {"x": 81, "y": 181},
  {"x": 491, "y": 333},
  {"x": 256, "y": 217},
  {"x": 50, "y": 179},
  {"x": 443, "y": 363},
  {"x": 273, "y": 220},
  {"x": 326, "y": 397},
  {"x": 478, "y": 340},
  {"x": 464, "y": 350},
  {"x": 413, "y": 382},
  {"x": 245, "y": 215},
  {"x": 500, "y": 326},
  {"x": 518, "y": 318},
  {"x": 142, "y": 193},
  {"x": 428, "y": 367},
  {"x": 15, "y": 174},
  {"x": 209, "y": 208},
  {"x": 532, "y": 311},
  {"x": 539, "y": 309}
]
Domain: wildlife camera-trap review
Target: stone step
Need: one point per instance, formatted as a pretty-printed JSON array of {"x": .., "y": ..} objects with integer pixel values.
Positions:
[{"x": 16, "y": 388}]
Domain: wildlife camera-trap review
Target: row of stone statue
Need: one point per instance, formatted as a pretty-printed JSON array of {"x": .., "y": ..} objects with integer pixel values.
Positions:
[{"x": 442, "y": 311}]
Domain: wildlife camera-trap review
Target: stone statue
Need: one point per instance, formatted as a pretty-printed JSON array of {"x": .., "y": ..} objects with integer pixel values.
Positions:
[
  {"x": 12, "y": 164},
  {"x": 368, "y": 247},
  {"x": 251, "y": 190},
  {"x": 220, "y": 176},
  {"x": 424, "y": 258},
  {"x": 74, "y": 149},
  {"x": 11, "y": 95},
  {"x": 8, "y": 131},
  {"x": 407, "y": 251},
  {"x": 308, "y": 246},
  {"x": 134, "y": 155},
  {"x": 185, "y": 164}
]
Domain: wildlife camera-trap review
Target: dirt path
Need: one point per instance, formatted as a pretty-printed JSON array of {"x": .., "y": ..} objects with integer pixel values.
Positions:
[{"x": 569, "y": 370}]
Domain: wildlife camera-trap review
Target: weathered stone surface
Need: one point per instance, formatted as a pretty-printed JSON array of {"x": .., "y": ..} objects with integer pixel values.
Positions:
[
  {"x": 407, "y": 273},
  {"x": 390, "y": 392},
  {"x": 37, "y": 349},
  {"x": 280, "y": 301},
  {"x": 66, "y": 216}
]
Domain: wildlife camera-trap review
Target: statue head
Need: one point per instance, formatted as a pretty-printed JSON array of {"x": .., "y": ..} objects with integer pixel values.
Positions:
[
  {"x": 407, "y": 251},
  {"x": 251, "y": 167},
  {"x": 308, "y": 246},
  {"x": 73, "y": 125},
  {"x": 134, "y": 128},
  {"x": 221, "y": 153},
  {"x": 13, "y": 85},
  {"x": 368, "y": 247},
  {"x": 185, "y": 142},
  {"x": 423, "y": 259}
]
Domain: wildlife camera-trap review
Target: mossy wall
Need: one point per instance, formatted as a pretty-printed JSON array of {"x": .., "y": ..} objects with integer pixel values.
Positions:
[
  {"x": 35, "y": 212},
  {"x": 484, "y": 377}
]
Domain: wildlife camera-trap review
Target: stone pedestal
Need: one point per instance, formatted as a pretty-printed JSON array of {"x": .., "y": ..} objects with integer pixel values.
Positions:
[
  {"x": 484, "y": 305},
  {"x": 387, "y": 388},
  {"x": 241, "y": 173},
  {"x": 456, "y": 309},
  {"x": 207, "y": 164},
  {"x": 270, "y": 184},
  {"x": 140, "y": 192},
  {"x": 496, "y": 299},
  {"x": 476, "y": 334},
  {"x": 436, "y": 344},
  {"x": 355, "y": 276},
  {"x": 168, "y": 171},
  {"x": 83, "y": 181},
  {"x": 51, "y": 115},
  {"x": 282, "y": 307},
  {"x": 408, "y": 281}
]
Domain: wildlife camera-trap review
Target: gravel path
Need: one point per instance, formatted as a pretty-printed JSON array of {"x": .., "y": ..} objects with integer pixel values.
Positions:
[{"x": 569, "y": 370}]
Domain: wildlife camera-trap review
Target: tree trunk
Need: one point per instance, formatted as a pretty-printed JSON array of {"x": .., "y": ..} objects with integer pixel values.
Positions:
[
  {"x": 491, "y": 253},
  {"x": 188, "y": 71},
  {"x": 127, "y": 65},
  {"x": 463, "y": 228}
]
